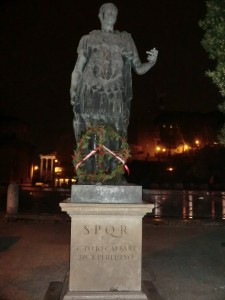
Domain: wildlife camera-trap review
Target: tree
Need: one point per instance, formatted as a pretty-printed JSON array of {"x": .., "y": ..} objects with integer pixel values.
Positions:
[{"x": 214, "y": 44}]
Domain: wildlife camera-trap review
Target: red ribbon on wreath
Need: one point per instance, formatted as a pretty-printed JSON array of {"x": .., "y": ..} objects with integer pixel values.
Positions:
[{"x": 107, "y": 149}]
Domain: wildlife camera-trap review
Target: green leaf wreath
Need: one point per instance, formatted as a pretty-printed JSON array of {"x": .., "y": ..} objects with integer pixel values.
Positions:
[{"x": 101, "y": 174}]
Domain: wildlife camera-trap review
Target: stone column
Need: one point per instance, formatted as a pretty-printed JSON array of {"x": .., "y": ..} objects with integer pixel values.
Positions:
[
  {"x": 46, "y": 169},
  {"x": 12, "y": 198},
  {"x": 106, "y": 245},
  {"x": 190, "y": 205},
  {"x": 41, "y": 167},
  {"x": 223, "y": 205},
  {"x": 52, "y": 164}
]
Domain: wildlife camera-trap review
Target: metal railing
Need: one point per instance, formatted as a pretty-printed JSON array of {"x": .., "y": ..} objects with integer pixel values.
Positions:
[{"x": 186, "y": 204}]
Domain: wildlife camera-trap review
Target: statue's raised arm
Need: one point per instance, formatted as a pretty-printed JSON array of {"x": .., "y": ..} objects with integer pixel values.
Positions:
[{"x": 142, "y": 68}]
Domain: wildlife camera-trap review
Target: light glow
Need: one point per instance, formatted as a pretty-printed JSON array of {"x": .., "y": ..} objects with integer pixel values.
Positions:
[{"x": 58, "y": 169}]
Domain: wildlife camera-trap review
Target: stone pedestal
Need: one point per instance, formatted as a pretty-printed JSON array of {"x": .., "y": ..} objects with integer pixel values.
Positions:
[{"x": 106, "y": 244}]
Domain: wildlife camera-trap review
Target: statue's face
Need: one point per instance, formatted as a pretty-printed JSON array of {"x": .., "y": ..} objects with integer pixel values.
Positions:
[{"x": 110, "y": 15}]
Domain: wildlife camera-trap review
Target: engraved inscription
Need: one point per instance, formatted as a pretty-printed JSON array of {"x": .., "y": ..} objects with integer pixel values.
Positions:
[
  {"x": 105, "y": 242},
  {"x": 102, "y": 257},
  {"x": 106, "y": 253},
  {"x": 114, "y": 231},
  {"x": 120, "y": 248}
]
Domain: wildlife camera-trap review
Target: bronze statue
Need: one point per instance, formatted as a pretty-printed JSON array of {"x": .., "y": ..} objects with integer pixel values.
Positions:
[{"x": 101, "y": 85}]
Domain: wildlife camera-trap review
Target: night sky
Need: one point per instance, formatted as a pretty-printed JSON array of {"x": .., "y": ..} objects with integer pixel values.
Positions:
[{"x": 39, "y": 39}]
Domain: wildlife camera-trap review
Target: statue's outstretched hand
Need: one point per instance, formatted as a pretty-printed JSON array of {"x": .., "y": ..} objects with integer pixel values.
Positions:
[{"x": 152, "y": 56}]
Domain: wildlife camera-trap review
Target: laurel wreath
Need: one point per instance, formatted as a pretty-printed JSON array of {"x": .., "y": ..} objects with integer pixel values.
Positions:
[{"x": 101, "y": 174}]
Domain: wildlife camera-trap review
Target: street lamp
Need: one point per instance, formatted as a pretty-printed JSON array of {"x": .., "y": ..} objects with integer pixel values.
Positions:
[{"x": 197, "y": 143}]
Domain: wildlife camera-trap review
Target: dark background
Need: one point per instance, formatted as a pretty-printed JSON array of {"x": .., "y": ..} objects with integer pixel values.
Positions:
[{"x": 38, "y": 52}]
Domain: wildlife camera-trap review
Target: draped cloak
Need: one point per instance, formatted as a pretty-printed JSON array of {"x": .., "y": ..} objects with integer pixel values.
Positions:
[{"x": 105, "y": 88}]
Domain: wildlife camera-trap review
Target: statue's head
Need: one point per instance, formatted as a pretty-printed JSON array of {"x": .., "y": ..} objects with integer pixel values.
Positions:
[{"x": 108, "y": 13}]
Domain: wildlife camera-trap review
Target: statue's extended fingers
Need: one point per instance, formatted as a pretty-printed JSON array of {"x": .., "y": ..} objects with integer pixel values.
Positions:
[{"x": 152, "y": 50}]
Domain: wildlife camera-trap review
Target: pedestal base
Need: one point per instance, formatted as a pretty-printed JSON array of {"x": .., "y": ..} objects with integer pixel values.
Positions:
[
  {"x": 106, "y": 246},
  {"x": 105, "y": 296}
]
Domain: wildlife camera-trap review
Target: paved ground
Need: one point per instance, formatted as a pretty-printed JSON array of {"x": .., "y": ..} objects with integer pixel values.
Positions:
[
  {"x": 180, "y": 261},
  {"x": 185, "y": 262}
]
